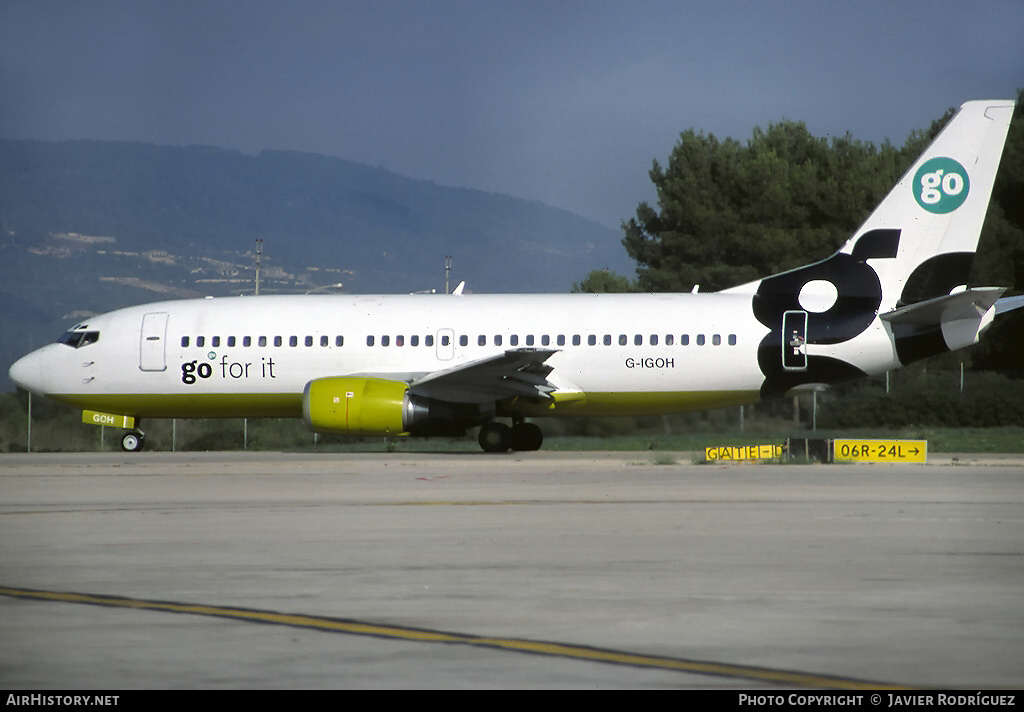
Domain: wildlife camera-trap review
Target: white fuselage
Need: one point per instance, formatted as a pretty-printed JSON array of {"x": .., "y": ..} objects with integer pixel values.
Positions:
[{"x": 615, "y": 353}]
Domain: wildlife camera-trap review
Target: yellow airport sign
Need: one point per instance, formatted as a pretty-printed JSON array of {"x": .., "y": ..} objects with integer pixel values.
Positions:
[
  {"x": 880, "y": 451},
  {"x": 743, "y": 452},
  {"x": 92, "y": 417}
]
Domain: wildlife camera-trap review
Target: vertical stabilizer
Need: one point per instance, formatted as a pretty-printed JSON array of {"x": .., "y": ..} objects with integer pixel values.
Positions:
[{"x": 935, "y": 212}]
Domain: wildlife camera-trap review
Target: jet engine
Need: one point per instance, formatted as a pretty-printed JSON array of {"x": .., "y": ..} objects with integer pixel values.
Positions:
[{"x": 361, "y": 406}]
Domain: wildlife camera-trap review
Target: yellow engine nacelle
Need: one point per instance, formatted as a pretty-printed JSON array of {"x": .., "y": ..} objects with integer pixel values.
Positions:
[{"x": 359, "y": 406}]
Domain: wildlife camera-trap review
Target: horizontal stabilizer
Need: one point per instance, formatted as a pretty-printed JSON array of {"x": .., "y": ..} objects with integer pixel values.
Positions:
[
  {"x": 968, "y": 304},
  {"x": 1009, "y": 304}
]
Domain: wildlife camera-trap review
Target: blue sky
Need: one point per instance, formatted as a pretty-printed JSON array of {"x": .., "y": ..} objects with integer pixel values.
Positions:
[{"x": 561, "y": 101}]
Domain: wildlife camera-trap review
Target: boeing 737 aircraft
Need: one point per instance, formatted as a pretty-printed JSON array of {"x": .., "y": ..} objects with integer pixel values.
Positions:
[{"x": 896, "y": 292}]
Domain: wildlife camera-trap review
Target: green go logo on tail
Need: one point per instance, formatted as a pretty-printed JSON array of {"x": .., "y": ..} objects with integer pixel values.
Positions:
[{"x": 941, "y": 185}]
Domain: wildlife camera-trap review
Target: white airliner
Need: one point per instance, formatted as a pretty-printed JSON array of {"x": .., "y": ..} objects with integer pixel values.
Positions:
[{"x": 426, "y": 365}]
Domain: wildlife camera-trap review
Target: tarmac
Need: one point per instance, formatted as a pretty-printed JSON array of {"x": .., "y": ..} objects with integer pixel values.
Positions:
[{"x": 526, "y": 570}]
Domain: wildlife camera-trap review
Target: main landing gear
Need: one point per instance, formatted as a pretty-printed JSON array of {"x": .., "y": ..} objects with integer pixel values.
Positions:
[
  {"x": 133, "y": 441},
  {"x": 498, "y": 437}
]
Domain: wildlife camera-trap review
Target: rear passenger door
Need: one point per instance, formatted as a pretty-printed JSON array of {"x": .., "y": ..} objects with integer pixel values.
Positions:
[{"x": 794, "y": 341}]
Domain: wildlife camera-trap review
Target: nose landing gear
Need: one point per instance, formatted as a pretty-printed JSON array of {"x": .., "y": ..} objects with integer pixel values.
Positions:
[{"x": 133, "y": 441}]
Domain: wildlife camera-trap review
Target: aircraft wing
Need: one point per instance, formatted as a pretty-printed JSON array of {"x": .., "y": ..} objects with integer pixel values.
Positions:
[
  {"x": 513, "y": 373},
  {"x": 516, "y": 372}
]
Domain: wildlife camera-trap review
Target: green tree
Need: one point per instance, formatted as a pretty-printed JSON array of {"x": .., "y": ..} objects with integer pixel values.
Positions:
[
  {"x": 729, "y": 213},
  {"x": 601, "y": 281}
]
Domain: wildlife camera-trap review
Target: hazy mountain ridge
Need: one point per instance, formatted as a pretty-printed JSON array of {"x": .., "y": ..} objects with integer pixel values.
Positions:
[{"x": 315, "y": 209}]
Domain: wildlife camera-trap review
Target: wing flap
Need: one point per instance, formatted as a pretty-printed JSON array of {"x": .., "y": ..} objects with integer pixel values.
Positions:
[{"x": 516, "y": 372}]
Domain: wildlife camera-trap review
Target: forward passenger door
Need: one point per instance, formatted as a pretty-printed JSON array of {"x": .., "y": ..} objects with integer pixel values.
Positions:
[{"x": 152, "y": 342}]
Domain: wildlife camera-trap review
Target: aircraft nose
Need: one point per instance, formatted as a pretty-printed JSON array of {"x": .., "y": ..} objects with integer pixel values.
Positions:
[{"x": 27, "y": 372}]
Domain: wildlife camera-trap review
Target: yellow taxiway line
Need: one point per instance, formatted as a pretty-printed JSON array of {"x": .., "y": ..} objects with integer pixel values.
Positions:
[{"x": 536, "y": 647}]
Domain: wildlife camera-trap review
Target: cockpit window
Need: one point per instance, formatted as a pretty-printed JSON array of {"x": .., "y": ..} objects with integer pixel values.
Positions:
[{"x": 78, "y": 339}]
